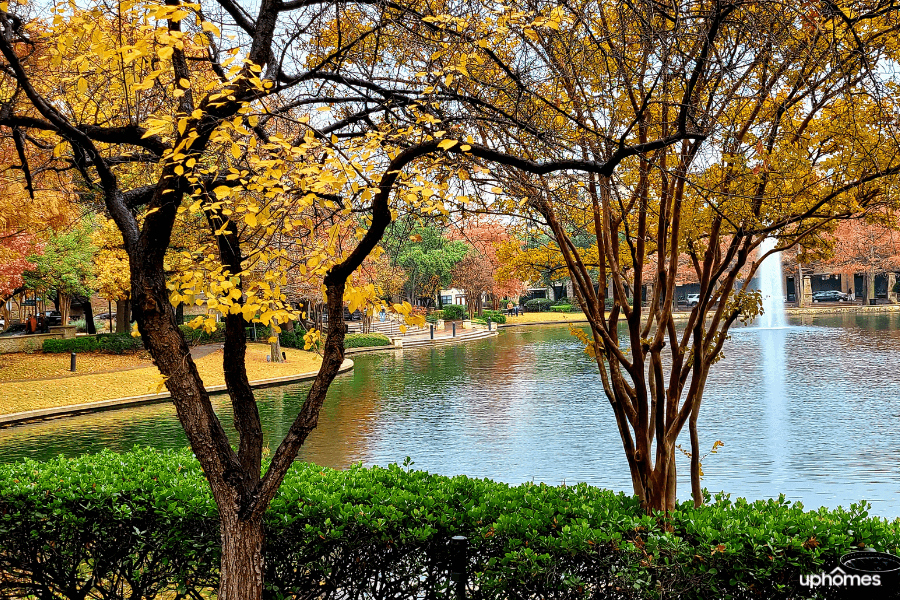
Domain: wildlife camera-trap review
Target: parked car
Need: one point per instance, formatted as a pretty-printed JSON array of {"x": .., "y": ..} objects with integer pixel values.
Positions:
[
  {"x": 105, "y": 317},
  {"x": 53, "y": 318},
  {"x": 693, "y": 300},
  {"x": 830, "y": 296}
]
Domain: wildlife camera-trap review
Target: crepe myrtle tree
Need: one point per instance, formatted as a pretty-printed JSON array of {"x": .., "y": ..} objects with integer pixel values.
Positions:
[{"x": 754, "y": 119}]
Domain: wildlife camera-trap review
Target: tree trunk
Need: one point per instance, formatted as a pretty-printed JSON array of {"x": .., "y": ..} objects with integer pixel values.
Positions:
[
  {"x": 123, "y": 316},
  {"x": 275, "y": 350},
  {"x": 64, "y": 306},
  {"x": 89, "y": 326},
  {"x": 870, "y": 286},
  {"x": 242, "y": 559}
]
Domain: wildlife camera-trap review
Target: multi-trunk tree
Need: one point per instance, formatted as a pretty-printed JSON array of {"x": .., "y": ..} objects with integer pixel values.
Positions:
[{"x": 686, "y": 130}]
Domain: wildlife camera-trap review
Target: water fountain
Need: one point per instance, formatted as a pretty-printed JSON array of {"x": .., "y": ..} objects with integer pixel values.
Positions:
[{"x": 771, "y": 286}]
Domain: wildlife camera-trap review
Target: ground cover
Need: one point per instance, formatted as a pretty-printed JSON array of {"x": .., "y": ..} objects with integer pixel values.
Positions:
[
  {"x": 18, "y": 396},
  {"x": 37, "y": 365},
  {"x": 544, "y": 317}
]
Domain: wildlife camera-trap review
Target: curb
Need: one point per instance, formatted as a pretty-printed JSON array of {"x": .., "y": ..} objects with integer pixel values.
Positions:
[
  {"x": 117, "y": 403},
  {"x": 791, "y": 312}
]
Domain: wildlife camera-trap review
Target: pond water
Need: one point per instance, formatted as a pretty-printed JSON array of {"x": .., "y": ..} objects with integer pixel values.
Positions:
[{"x": 810, "y": 411}]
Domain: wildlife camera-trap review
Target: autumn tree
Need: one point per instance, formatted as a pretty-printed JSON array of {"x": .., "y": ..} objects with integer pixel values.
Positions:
[
  {"x": 481, "y": 273},
  {"x": 691, "y": 130},
  {"x": 213, "y": 112},
  {"x": 871, "y": 247}
]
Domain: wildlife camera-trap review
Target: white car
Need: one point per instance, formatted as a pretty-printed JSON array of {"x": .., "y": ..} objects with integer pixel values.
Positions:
[{"x": 693, "y": 300}]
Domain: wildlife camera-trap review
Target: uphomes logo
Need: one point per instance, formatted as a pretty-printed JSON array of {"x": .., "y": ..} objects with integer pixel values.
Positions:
[{"x": 839, "y": 578}]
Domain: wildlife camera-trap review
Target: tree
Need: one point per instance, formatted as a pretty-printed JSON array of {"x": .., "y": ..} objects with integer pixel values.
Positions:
[
  {"x": 482, "y": 272},
  {"x": 111, "y": 271},
  {"x": 695, "y": 129},
  {"x": 869, "y": 247},
  {"x": 426, "y": 256},
  {"x": 236, "y": 140},
  {"x": 64, "y": 267}
]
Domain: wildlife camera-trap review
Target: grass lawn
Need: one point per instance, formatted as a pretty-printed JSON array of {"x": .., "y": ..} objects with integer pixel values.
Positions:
[
  {"x": 543, "y": 317},
  {"x": 18, "y": 396}
]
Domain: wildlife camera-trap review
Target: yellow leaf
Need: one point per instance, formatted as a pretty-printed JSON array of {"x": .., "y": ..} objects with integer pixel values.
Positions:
[
  {"x": 165, "y": 52},
  {"x": 447, "y": 144}
]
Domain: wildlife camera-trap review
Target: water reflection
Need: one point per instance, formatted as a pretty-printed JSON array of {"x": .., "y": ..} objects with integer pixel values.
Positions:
[{"x": 807, "y": 411}]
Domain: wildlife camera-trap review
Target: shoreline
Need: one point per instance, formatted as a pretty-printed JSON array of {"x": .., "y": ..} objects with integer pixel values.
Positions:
[
  {"x": 788, "y": 311},
  {"x": 43, "y": 414},
  {"x": 56, "y": 412}
]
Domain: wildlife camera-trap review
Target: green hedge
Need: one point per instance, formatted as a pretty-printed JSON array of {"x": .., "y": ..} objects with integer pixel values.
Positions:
[
  {"x": 366, "y": 340},
  {"x": 145, "y": 523},
  {"x": 562, "y": 308},
  {"x": 495, "y": 315},
  {"x": 455, "y": 312},
  {"x": 113, "y": 343},
  {"x": 538, "y": 304}
]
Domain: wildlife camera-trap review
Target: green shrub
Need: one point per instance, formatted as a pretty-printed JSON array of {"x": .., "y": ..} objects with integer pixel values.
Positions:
[
  {"x": 538, "y": 304},
  {"x": 564, "y": 300},
  {"x": 148, "y": 518},
  {"x": 495, "y": 315},
  {"x": 119, "y": 343},
  {"x": 366, "y": 340},
  {"x": 113, "y": 343},
  {"x": 435, "y": 316},
  {"x": 78, "y": 344},
  {"x": 562, "y": 308},
  {"x": 455, "y": 312}
]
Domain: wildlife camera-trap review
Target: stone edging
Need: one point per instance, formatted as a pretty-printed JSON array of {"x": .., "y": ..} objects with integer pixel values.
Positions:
[
  {"x": 116, "y": 403},
  {"x": 791, "y": 312}
]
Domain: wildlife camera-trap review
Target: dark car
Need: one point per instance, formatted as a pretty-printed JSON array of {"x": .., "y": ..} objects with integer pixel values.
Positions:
[
  {"x": 830, "y": 296},
  {"x": 53, "y": 318}
]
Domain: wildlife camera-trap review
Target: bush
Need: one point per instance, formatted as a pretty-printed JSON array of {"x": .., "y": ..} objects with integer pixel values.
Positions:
[
  {"x": 78, "y": 344},
  {"x": 495, "y": 315},
  {"x": 562, "y": 308},
  {"x": 538, "y": 304},
  {"x": 455, "y": 312},
  {"x": 112, "y": 343},
  {"x": 435, "y": 316},
  {"x": 366, "y": 340},
  {"x": 563, "y": 301},
  {"x": 142, "y": 524},
  {"x": 118, "y": 343}
]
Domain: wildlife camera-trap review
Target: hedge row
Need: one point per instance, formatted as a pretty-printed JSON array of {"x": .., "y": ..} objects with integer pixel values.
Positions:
[
  {"x": 562, "y": 308},
  {"x": 455, "y": 312},
  {"x": 143, "y": 524},
  {"x": 538, "y": 304},
  {"x": 113, "y": 343}
]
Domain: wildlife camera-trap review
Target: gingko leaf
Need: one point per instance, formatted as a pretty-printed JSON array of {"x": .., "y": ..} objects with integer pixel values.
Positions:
[
  {"x": 165, "y": 53},
  {"x": 447, "y": 144}
]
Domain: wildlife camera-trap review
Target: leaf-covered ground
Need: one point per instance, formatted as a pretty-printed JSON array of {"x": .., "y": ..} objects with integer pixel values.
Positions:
[
  {"x": 545, "y": 317},
  {"x": 41, "y": 366},
  {"x": 18, "y": 396}
]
